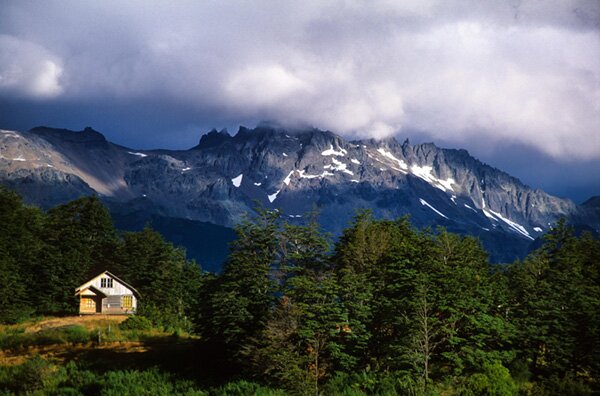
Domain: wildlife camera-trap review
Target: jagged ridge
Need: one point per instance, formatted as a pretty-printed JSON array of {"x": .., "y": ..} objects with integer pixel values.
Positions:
[{"x": 293, "y": 170}]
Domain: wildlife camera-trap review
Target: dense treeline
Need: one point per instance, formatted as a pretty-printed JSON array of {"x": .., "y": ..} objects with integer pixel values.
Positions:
[
  {"x": 387, "y": 309},
  {"x": 391, "y": 309},
  {"x": 44, "y": 256}
]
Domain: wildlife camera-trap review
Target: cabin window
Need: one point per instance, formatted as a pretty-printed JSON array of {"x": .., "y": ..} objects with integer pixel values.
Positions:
[
  {"x": 127, "y": 302},
  {"x": 106, "y": 283},
  {"x": 88, "y": 302}
]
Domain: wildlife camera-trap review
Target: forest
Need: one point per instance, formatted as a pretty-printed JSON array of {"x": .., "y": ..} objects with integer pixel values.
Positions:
[{"x": 384, "y": 309}]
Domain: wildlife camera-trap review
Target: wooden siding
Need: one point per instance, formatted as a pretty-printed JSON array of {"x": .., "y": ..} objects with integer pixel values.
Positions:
[
  {"x": 112, "y": 303},
  {"x": 90, "y": 304},
  {"x": 118, "y": 288}
]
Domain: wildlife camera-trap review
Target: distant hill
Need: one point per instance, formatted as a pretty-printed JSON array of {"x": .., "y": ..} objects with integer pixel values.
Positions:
[{"x": 206, "y": 243}]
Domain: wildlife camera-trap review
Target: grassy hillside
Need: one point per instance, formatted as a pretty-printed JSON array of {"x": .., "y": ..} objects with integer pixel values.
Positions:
[{"x": 97, "y": 355}]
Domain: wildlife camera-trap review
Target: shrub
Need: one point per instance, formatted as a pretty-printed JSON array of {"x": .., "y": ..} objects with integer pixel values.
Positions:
[
  {"x": 166, "y": 319},
  {"x": 567, "y": 386},
  {"x": 77, "y": 334},
  {"x": 82, "y": 380},
  {"x": 243, "y": 388},
  {"x": 342, "y": 384},
  {"x": 17, "y": 314},
  {"x": 11, "y": 337},
  {"x": 136, "y": 323},
  {"x": 375, "y": 383},
  {"x": 34, "y": 375},
  {"x": 149, "y": 382},
  {"x": 494, "y": 381},
  {"x": 519, "y": 370}
]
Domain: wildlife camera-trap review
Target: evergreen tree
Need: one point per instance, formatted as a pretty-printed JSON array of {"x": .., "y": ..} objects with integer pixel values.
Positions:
[
  {"x": 168, "y": 283},
  {"x": 355, "y": 257},
  {"x": 556, "y": 304},
  {"x": 474, "y": 328},
  {"x": 81, "y": 242},
  {"x": 312, "y": 291},
  {"x": 279, "y": 355},
  {"x": 586, "y": 309},
  {"x": 395, "y": 280},
  {"x": 238, "y": 309},
  {"x": 13, "y": 292},
  {"x": 20, "y": 257}
]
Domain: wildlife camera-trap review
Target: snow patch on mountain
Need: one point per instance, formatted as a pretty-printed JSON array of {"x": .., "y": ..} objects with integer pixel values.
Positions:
[
  {"x": 515, "y": 226},
  {"x": 287, "y": 179},
  {"x": 237, "y": 181},
  {"x": 273, "y": 196},
  {"x": 389, "y": 155},
  {"x": 138, "y": 154},
  {"x": 331, "y": 151},
  {"x": 423, "y": 202},
  {"x": 498, "y": 217},
  {"x": 304, "y": 176},
  {"x": 424, "y": 172},
  {"x": 468, "y": 207},
  {"x": 338, "y": 166}
]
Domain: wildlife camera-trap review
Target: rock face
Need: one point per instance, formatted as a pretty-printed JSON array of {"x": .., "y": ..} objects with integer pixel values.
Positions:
[{"x": 295, "y": 171}]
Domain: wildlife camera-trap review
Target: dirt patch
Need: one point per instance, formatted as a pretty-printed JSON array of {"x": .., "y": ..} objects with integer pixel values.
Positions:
[{"x": 87, "y": 321}]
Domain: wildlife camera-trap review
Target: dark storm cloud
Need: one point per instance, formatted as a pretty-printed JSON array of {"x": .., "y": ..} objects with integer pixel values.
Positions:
[{"x": 469, "y": 73}]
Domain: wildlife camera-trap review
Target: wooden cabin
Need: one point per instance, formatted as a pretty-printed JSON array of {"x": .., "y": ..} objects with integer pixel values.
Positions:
[{"x": 107, "y": 295}]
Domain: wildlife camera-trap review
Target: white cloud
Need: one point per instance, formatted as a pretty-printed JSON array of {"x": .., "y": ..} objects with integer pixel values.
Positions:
[
  {"x": 526, "y": 72},
  {"x": 46, "y": 81},
  {"x": 28, "y": 69},
  {"x": 261, "y": 86}
]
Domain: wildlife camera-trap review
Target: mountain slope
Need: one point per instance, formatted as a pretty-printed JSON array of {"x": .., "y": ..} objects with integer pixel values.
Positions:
[{"x": 223, "y": 177}]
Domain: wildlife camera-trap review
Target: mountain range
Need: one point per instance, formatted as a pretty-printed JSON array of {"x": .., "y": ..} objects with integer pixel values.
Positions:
[{"x": 207, "y": 189}]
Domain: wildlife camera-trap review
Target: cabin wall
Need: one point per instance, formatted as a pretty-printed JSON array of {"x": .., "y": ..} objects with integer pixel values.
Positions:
[
  {"x": 111, "y": 304},
  {"x": 90, "y": 304},
  {"x": 118, "y": 288}
]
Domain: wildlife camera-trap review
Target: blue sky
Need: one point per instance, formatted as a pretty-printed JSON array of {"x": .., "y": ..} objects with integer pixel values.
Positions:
[{"x": 515, "y": 82}]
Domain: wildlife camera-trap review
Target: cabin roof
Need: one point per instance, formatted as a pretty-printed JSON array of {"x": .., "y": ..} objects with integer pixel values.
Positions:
[
  {"x": 88, "y": 284},
  {"x": 94, "y": 289}
]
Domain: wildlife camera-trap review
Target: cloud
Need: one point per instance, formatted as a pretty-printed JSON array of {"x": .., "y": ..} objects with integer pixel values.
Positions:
[
  {"x": 524, "y": 72},
  {"x": 28, "y": 69},
  {"x": 264, "y": 86}
]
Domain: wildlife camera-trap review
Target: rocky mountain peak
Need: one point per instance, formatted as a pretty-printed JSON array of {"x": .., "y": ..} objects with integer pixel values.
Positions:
[
  {"x": 293, "y": 170},
  {"x": 593, "y": 202},
  {"x": 87, "y": 135},
  {"x": 213, "y": 138}
]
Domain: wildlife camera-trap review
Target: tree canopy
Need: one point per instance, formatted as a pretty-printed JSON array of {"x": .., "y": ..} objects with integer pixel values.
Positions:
[{"x": 384, "y": 309}]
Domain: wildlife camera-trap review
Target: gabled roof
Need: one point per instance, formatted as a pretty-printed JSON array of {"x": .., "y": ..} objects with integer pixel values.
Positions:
[
  {"x": 93, "y": 289},
  {"x": 88, "y": 284}
]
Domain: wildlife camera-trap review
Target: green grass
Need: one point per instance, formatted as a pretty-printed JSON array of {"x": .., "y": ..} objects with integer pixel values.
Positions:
[
  {"x": 14, "y": 338},
  {"x": 39, "y": 376}
]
